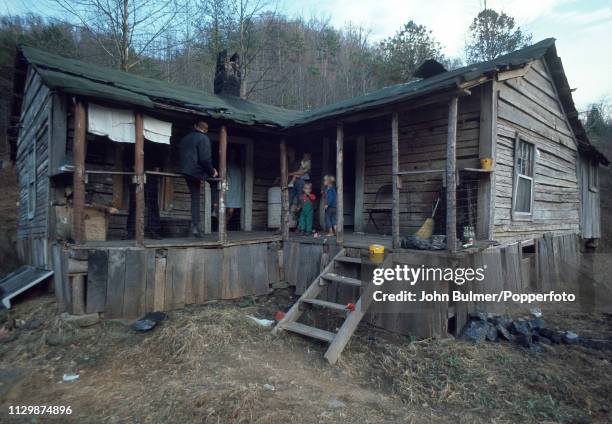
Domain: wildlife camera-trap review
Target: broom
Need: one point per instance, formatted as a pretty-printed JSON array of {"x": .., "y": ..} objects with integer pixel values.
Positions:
[{"x": 426, "y": 229}]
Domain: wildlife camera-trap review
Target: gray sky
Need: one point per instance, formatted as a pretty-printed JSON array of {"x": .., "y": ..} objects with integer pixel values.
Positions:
[{"x": 583, "y": 28}]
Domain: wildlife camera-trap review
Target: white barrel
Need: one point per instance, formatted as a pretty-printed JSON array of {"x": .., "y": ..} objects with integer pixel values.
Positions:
[{"x": 274, "y": 207}]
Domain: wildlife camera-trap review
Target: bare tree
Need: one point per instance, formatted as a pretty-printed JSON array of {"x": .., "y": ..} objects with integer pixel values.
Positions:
[{"x": 125, "y": 29}]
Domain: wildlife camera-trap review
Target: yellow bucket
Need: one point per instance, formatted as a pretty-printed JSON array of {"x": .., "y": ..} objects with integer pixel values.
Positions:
[
  {"x": 377, "y": 253},
  {"x": 486, "y": 164}
]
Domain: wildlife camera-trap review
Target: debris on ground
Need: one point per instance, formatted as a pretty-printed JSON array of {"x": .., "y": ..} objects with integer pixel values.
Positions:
[
  {"x": 336, "y": 404},
  {"x": 149, "y": 321},
  {"x": 70, "y": 377},
  {"x": 528, "y": 333},
  {"x": 536, "y": 312},
  {"x": 269, "y": 387},
  {"x": 86, "y": 320},
  {"x": 261, "y": 321}
]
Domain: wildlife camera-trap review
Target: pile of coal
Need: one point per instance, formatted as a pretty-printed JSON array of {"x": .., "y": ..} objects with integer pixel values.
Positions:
[{"x": 528, "y": 333}]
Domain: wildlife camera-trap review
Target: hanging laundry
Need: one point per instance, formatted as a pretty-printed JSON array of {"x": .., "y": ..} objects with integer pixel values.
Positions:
[
  {"x": 157, "y": 131},
  {"x": 116, "y": 124}
]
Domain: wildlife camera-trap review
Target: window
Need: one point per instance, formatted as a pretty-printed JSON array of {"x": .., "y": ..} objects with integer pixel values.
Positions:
[
  {"x": 523, "y": 181},
  {"x": 593, "y": 175},
  {"x": 31, "y": 182}
]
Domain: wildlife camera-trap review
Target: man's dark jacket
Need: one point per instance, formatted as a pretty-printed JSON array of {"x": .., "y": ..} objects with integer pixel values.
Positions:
[{"x": 196, "y": 157}]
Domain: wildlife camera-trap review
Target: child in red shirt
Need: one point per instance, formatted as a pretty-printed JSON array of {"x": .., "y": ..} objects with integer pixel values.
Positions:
[{"x": 306, "y": 208}]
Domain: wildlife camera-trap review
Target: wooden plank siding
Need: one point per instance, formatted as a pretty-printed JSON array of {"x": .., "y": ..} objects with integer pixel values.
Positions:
[
  {"x": 529, "y": 105},
  {"x": 422, "y": 146},
  {"x": 590, "y": 219},
  {"x": 128, "y": 282},
  {"x": 34, "y": 140}
]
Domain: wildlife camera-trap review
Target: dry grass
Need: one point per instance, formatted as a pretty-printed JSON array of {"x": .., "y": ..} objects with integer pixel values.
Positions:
[
  {"x": 210, "y": 363},
  {"x": 493, "y": 381},
  {"x": 187, "y": 336}
]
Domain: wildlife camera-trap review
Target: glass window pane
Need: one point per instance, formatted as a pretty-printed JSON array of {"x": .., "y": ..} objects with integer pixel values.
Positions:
[{"x": 523, "y": 195}]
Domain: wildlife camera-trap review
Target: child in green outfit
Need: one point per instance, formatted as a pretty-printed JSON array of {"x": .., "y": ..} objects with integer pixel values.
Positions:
[{"x": 306, "y": 208}]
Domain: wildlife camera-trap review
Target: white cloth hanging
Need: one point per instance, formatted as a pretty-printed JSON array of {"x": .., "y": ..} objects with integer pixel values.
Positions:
[
  {"x": 120, "y": 125},
  {"x": 116, "y": 124},
  {"x": 157, "y": 131}
]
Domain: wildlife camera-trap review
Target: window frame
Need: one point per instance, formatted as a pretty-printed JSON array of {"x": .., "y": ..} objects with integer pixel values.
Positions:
[{"x": 519, "y": 215}]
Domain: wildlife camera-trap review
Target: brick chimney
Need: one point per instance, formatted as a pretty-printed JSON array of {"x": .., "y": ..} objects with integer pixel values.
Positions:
[{"x": 227, "y": 74}]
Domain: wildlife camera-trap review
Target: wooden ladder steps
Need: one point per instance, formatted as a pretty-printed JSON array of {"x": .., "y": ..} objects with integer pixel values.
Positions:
[
  {"x": 330, "y": 276},
  {"x": 325, "y": 304},
  {"x": 315, "y": 333},
  {"x": 348, "y": 259}
]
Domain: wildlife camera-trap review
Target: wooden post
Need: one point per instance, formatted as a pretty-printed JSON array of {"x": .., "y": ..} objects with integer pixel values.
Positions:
[
  {"x": 451, "y": 176},
  {"x": 139, "y": 176},
  {"x": 324, "y": 172},
  {"x": 117, "y": 200},
  {"x": 207, "y": 208},
  {"x": 486, "y": 149},
  {"x": 284, "y": 172},
  {"x": 222, "y": 182},
  {"x": 339, "y": 183},
  {"x": 359, "y": 183},
  {"x": 246, "y": 215},
  {"x": 78, "y": 178},
  {"x": 77, "y": 282},
  {"x": 395, "y": 181}
]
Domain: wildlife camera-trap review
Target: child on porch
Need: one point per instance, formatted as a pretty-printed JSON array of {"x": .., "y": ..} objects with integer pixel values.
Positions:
[
  {"x": 306, "y": 208},
  {"x": 330, "y": 204}
]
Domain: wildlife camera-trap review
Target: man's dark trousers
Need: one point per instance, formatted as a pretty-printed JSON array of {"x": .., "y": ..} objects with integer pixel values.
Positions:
[{"x": 194, "y": 185}]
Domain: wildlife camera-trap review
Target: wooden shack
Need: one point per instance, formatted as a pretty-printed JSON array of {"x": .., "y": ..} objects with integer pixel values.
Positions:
[{"x": 497, "y": 145}]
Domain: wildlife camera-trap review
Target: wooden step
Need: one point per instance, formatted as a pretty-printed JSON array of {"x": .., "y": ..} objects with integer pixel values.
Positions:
[
  {"x": 325, "y": 304},
  {"x": 330, "y": 276},
  {"x": 315, "y": 333},
  {"x": 349, "y": 260}
]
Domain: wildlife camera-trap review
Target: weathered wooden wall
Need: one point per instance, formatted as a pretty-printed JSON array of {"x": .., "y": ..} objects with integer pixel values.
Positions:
[
  {"x": 422, "y": 146},
  {"x": 548, "y": 263},
  {"x": 302, "y": 262},
  {"x": 266, "y": 171},
  {"x": 129, "y": 282},
  {"x": 530, "y": 106},
  {"x": 34, "y": 139},
  {"x": 590, "y": 217}
]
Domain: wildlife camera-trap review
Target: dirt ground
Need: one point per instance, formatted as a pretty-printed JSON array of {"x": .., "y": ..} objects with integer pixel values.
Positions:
[{"x": 211, "y": 364}]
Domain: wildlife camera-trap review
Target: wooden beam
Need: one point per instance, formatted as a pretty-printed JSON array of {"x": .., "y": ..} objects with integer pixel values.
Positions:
[
  {"x": 451, "y": 177},
  {"x": 246, "y": 215},
  {"x": 514, "y": 73},
  {"x": 324, "y": 171},
  {"x": 139, "y": 180},
  {"x": 486, "y": 149},
  {"x": 207, "y": 208},
  {"x": 117, "y": 200},
  {"x": 340, "y": 183},
  {"x": 222, "y": 183},
  {"x": 284, "y": 172},
  {"x": 359, "y": 183},
  {"x": 377, "y": 111},
  {"x": 78, "y": 178},
  {"x": 395, "y": 180}
]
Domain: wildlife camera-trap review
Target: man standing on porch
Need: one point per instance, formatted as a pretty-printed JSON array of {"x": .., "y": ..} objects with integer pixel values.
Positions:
[{"x": 196, "y": 165}]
